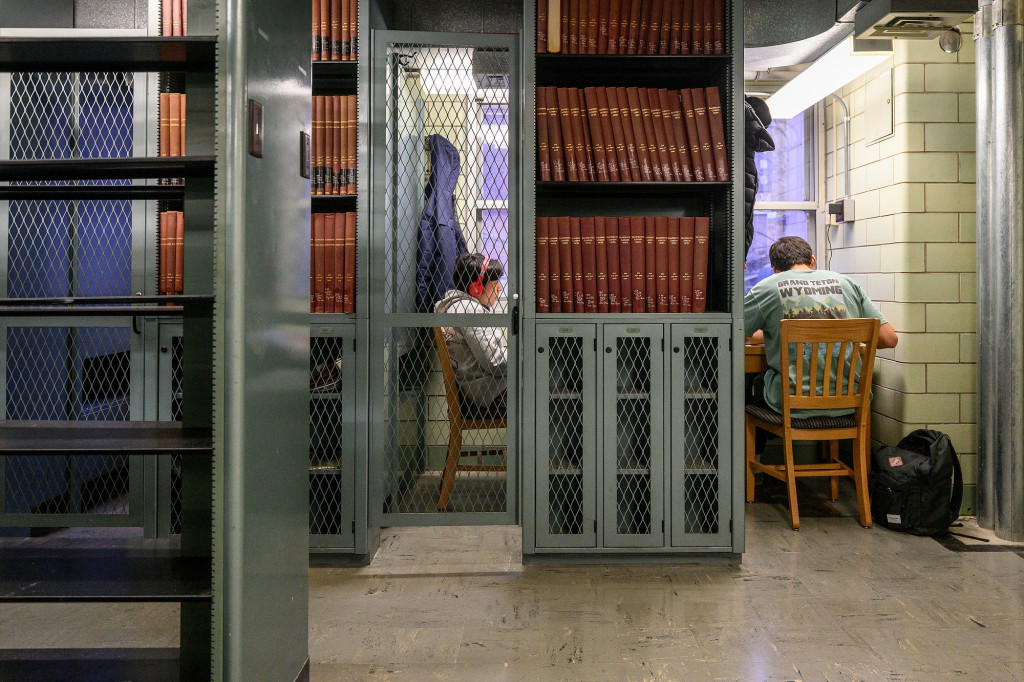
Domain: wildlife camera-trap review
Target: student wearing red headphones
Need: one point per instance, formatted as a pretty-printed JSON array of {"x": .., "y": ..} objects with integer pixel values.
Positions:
[{"x": 478, "y": 354}]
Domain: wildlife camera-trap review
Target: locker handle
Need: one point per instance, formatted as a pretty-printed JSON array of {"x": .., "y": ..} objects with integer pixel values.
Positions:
[
  {"x": 608, "y": 349},
  {"x": 540, "y": 349},
  {"x": 675, "y": 349}
]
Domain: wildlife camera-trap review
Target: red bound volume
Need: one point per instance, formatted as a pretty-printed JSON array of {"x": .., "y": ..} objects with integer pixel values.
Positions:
[
  {"x": 554, "y": 265},
  {"x": 701, "y": 235},
  {"x": 625, "y": 11},
  {"x": 654, "y": 26},
  {"x": 650, "y": 134},
  {"x": 316, "y": 36},
  {"x": 318, "y": 145},
  {"x": 345, "y": 51},
  {"x": 568, "y": 143},
  {"x": 643, "y": 154},
  {"x": 614, "y": 10},
  {"x": 625, "y": 265},
  {"x": 679, "y": 130},
  {"x": 184, "y": 17},
  {"x": 340, "y": 254},
  {"x": 543, "y": 290},
  {"x": 576, "y": 254},
  {"x": 718, "y": 33},
  {"x": 176, "y": 26},
  {"x": 589, "y": 263},
  {"x": 645, "y": 21},
  {"x": 718, "y": 149},
  {"x": 350, "y": 262},
  {"x": 167, "y": 28},
  {"x": 312, "y": 251},
  {"x": 165, "y": 124},
  {"x": 650, "y": 265},
  {"x": 673, "y": 265},
  {"x": 666, "y": 26},
  {"x": 574, "y": 26},
  {"x": 700, "y": 112},
  {"x": 632, "y": 41},
  {"x": 611, "y": 95},
  {"x": 181, "y": 123},
  {"x": 596, "y": 133},
  {"x": 709, "y": 26},
  {"x": 331, "y": 116},
  {"x": 675, "y": 43},
  {"x": 697, "y": 27},
  {"x": 584, "y": 25},
  {"x": 651, "y": 98},
  {"x": 565, "y": 260},
  {"x": 179, "y": 252},
  {"x": 542, "y": 25},
  {"x": 350, "y": 151},
  {"x": 638, "y": 263},
  {"x": 554, "y": 136},
  {"x": 343, "y": 176},
  {"x": 692, "y": 140},
  {"x": 601, "y": 266},
  {"x": 554, "y": 26},
  {"x": 337, "y": 22},
  {"x": 330, "y": 246},
  {"x": 353, "y": 22},
  {"x": 175, "y": 124},
  {"x": 611, "y": 238},
  {"x": 579, "y": 112},
  {"x": 593, "y": 29},
  {"x": 325, "y": 31},
  {"x": 685, "y": 29},
  {"x": 661, "y": 263},
  {"x": 166, "y": 253},
  {"x": 543, "y": 152},
  {"x": 603, "y": 8},
  {"x": 665, "y": 104},
  {"x": 686, "y": 265},
  {"x": 318, "y": 262},
  {"x": 564, "y": 27},
  {"x": 611, "y": 160}
]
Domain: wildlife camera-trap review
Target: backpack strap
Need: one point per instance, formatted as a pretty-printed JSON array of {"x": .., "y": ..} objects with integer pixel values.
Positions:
[{"x": 958, "y": 486}]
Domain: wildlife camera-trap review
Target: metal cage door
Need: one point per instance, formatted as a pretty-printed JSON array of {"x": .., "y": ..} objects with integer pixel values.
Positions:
[{"x": 445, "y": 183}]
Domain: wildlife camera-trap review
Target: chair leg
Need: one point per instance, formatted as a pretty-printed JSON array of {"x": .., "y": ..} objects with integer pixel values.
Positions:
[
  {"x": 751, "y": 441},
  {"x": 794, "y": 511},
  {"x": 450, "y": 466},
  {"x": 860, "y": 477},
  {"x": 833, "y": 456}
]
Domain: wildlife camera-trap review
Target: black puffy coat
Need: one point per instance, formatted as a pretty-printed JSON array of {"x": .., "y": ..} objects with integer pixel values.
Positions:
[{"x": 758, "y": 139}]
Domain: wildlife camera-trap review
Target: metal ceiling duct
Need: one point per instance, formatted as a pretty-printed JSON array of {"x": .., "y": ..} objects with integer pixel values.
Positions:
[
  {"x": 780, "y": 33},
  {"x": 911, "y": 19}
]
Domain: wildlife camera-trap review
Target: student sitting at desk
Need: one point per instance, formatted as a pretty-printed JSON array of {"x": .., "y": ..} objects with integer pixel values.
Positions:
[
  {"x": 478, "y": 354},
  {"x": 797, "y": 290}
]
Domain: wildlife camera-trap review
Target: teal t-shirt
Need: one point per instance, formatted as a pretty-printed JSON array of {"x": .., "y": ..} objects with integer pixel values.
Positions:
[{"x": 801, "y": 294}]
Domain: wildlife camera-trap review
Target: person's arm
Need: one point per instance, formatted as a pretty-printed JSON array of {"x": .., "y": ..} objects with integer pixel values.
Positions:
[
  {"x": 753, "y": 318},
  {"x": 887, "y": 337},
  {"x": 486, "y": 345},
  {"x": 755, "y": 339}
]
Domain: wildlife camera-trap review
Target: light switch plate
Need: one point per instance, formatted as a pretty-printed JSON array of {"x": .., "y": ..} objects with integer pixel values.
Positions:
[{"x": 256, "y": 129}]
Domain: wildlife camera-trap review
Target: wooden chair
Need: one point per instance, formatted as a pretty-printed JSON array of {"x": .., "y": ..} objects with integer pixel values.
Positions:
[
  {"x": 458, "y": 424},
  {"x": 853, "y": 340}
]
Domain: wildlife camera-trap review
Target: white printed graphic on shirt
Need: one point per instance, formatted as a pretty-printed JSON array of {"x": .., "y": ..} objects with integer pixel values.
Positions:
[{"x": 812, "y": 299}]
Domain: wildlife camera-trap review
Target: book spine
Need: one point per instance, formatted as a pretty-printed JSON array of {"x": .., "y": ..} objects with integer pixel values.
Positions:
[
  {"x": 579, "y": 138},
  {"x": 165, "y": 124},
  {"x": 588, "y": 144},
  {"x": 312, "y": 252},
  {"x": 718, "y": 33},
  {"x": 666, "y": 26},
  {"x": 601, "y": 265},
  {"x": 350, "y": 150},
  {"x": 625, "y": 11},
  {"x": 679, "y": 129},
  {"x": 574, "y": 26},
  {"x": 555, "y": 264},
  {"x": 593, "y": 29},
  {"x": 654, "y": 26},
  {"x": 665, "y": 105},
  {"x": 640, "y": 139},
  {"x": 709, "y": 26},
  {"x": 638, "y": 263},
  {"x": 661, "y": 263},
  {"x": 319, "y": 227},
  {"x": 325, "y": 30},
  {"x": 316, "y": 38},
  {"x": 330, "y": 245},
  {"x": 350, "y": 262},
  {"x": 179, "y": 252},
  {"x": 673, "y": 265},
  {"x": 614, "y": 10},
  {"x": 339, "y": 30},
  {"x": 332, "y": 118},
  {"x": 611, "y": 238},
  {"x": 576, "y": 256},
  {"x": 618, "y": 133},
  {"x": 166, "y": 251},
  {"x": 605, "y": 122},
  {"x": 542, "y": 25},
  {"x": 543, "y": 148},
  {"x": 568, "y": 141},
  {"x": 697, "y": 28},
  {"x": 176, "y": 18},
  {"x": 338, "y": 265},
  {"x": 340, "y": 150},
  {"x": 603, "y": 12},
  {"x": 565, "y": 260},
  {"x": 543, "y": 290},
  {"x": 645, "y": 20},
  {"x": 625, "y": 265},
  {"x": 182, "y": 122},
  {"x": 686, "y": 28},
  {"x": 650, "y": 98},
  {"x": 588, "y": 233},
  {"x": 719, "y": 151},
  {"x": 175, "y": 125},
  {"x": 632, "y": 41},
  {"x": 554, "y": 26},
  {"x": 675, "y": 42},
  {"x": 650, "y": 266},
  {"x": 184, "y": 17},
  {"x": 686, "y": 265},
  {"x": 596, "y": 134},
  {"x": 564, "y": 28},
  {"x": 353, "y": 26},
  {"x": 650, "y": 146},
  {"x": 700, "y": 263},
  {"x": 166, "y": 27},
  {"x": 692, "y": 140},
  {"x": 555, "y": 152},
  {"x": 700, "y": 113}
]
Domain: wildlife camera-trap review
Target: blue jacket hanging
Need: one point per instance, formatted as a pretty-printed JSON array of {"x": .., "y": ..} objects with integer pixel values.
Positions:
[{"x": 441, "y": 241}]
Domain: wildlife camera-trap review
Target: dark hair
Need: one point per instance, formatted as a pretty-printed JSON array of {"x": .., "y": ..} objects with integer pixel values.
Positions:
[
  {"x": 789, "y": 251},
  {"x": 467, "y": 269}
]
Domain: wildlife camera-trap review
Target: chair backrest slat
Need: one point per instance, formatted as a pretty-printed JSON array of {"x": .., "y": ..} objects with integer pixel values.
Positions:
[{"x": 451, "y": 389}]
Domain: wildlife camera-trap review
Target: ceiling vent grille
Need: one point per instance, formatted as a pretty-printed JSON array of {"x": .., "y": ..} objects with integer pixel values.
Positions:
[{"x": 911, "y": 19}]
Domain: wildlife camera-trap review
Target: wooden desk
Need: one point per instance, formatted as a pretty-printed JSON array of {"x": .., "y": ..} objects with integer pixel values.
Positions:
[{"x": 754, "y": 361}]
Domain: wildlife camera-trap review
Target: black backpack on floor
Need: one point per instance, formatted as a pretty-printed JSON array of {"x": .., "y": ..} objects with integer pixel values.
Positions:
[{"x": 916, "y": 487}]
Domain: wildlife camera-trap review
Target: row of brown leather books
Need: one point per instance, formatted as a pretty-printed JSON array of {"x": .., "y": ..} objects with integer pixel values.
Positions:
[
  {"x": 174, "y": 18},
  {"x": 631, "y": 135},
  {"x": 334, "y": 144},
  {"x": 657, "y": 27},
  {"x": 332, "y": 263},
  {"x": 622, "y": 264},
  {"x": 335, "y": 30},
  {"x": 172, "y": 128},
  {"x": 172, "y": 252}
]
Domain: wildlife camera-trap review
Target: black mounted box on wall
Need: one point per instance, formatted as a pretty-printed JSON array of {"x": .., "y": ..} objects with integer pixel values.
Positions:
[{"x": 37, "y": 14}]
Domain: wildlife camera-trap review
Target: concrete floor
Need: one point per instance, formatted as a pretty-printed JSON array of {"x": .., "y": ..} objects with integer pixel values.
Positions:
[{"x": 830, "y": 602}]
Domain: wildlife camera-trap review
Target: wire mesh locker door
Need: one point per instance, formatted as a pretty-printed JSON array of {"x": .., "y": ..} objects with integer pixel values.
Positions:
[
  {"x": 566, "y": 438},
  {"x": 444, "y": 290},
  {"x": 701, "y": 452},
  {"x": 331, "y": 438},
  {"x": 634, "y": 399}
]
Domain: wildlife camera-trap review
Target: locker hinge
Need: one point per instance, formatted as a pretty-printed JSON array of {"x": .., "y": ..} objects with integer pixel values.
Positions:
[
  {"x": 515, "y": 320},
  {"x": 595, "y": 344},
  {"x": 353, "y": 344},
  {"x": 663, "y": 525},
  {"x": 730, "y": 525},
  {"x": 595, "y": 525},
  {"x": 730, "y": 343},
  {"x": 663, "y": 345},
  {"x": 353, "y": 526}
]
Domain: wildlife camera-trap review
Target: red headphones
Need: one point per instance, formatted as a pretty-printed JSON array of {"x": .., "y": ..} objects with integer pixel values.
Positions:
[{"x": 476, "y": 287}]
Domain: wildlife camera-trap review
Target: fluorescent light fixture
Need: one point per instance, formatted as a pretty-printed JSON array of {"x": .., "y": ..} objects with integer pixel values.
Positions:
[
  {"x": 828, "y": 73},
  {"x": 447, "y": 70}
]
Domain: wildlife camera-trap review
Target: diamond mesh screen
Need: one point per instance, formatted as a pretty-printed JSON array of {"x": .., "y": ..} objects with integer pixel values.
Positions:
[
  {"x": 326, "y": 510},
  {"x": 176, "y": 374},
  {"x": 565, "y": 436},
  {"x": 700, "y": 416},
  {"x": 67, "y": 373},
  {"x": 633, "y": 435}
]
